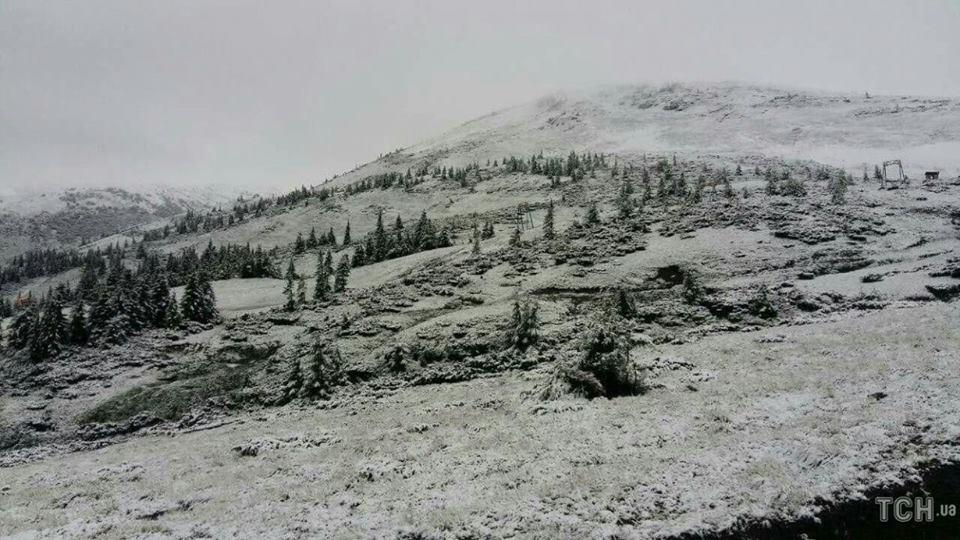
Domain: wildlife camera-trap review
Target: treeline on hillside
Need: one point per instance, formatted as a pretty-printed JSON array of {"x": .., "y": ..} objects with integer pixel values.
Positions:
[
  {"x": 112, "y": 302},
  {"x": 382, "y": 243},
  {"x": 399, "y": 241},
  {"x": 109, "y": 310},
  {"x": 576, "y": 166},
  {"x": 195, "y": 222},
  {"x": 224, "y": 262},
  {"x": 312, "y": 241},
  {"x": 41, "y": 262}
]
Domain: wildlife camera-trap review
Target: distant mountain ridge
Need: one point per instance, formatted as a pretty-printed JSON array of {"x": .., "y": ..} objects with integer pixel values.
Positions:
[{"x": 84, "y": 214}]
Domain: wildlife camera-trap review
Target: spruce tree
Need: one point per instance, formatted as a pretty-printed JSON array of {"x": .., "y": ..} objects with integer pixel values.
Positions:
[
  {"x": 548, "y": 232},
  {"x": 475, "y": 250},
  {"x": 515, "y": 237},
  {"x": 523, "y": 328},
  {"x": 159, "y": 299},
  {"x": 359, "y": 256},
  {"x": 78, "y": 326},
  {"x": 22, "y": 327},
  {"x": 838, "y": 191},
  {"x": 488, "y": 230},
  {"x": 87, "y": 285},
  {"x": 624, "y": 304},
  {"x": 173, "y": 318},
  {"x": 301, "y": 291},
  {"x": 293, "y": 382},
  {"x": 379, "y": 240},
  {"x": 288, "y": 290},
  {"x": 342, "y": 274},
  {"x": 321, "y": 290},
  {"x": 624, "y": 204},
  {"x": 771, "y": 188},
  {"x": 346, "y": 235},
  {"x": 328, "y": 263},
  {"x": 49, "y": 331},
  {"x": 593, "y": 215},
  {"x": 199, "y": 303},
  {"x": 324, "y": 371}
]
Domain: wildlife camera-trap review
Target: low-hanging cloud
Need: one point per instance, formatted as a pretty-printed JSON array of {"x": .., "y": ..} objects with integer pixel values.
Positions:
[{"x": 274, "y": 94}]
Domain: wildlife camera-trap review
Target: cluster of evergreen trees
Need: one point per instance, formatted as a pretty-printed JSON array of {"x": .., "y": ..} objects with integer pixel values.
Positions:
[
  {"x": 224, "y": 262},
  {"x": 112, "y": 301},
  {"x": 123, "y": 303},
  {"x": 41, "y": 262},
  {"x": 295, "y": 290},
  {"x": 383, "y": 244},
  {"x": 194, "y": 222},
  {"x": 312, "y": 241},
  {"x": 575, "y": 166}
]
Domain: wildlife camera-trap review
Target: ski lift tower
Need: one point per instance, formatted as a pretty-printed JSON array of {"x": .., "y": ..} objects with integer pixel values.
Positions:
[{"x": 900, "y": 181}]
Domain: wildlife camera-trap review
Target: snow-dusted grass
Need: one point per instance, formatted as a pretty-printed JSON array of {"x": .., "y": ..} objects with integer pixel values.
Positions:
[{"x": 771, "y": 427}]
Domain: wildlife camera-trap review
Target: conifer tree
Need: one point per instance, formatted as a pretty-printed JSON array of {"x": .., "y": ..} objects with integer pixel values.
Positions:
[
  {"x": 727, "y": 187},
  {"x": 838, "y": 191},
  {"x": 321, "y": 290},
  {"x": 346, "y": 235},
  {"x": 87, "y": 286},
  {"x": 593, "y": 215},
  {"x": 324, "y": 371},
  {"x": 771, "y": 187},
  {"x": 548, "y": 232},
  {"x": 475, "y": 250},
  {"x": 159, "y": 298},
  {"x": 23, "y": 326},
  {"x": 293, "y": 382},
  {"x": 289, "y": 293},
  {"x": 342, "y": 274},
  {"x": 173, "y": 318},
  {"x": 78, "y": 326},
  {"x": 301, "y": 291},
  {"x": 515, "y": 237},
  {"x": 523, "y": 328},
  {"x": 624, "y": 203},
  {"x": 379, "y": 240},
  {"x": 488, "y": 230},
  {"x": 359, "y": 255},
  {"x": 624, "y": 304},
  {"x": 199, "y": 303},
  {"x": 49, "y": 331}
]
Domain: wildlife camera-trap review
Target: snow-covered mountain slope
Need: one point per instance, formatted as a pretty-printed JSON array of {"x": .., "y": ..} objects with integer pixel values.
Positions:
[
  {"x": 74, "y": 215},
  {"x": 845, "y": 130},
  {"x": 722, "y": 124}
]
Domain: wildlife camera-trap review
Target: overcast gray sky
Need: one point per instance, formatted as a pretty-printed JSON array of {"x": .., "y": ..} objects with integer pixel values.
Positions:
[{"x": 278, "y": 93}]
